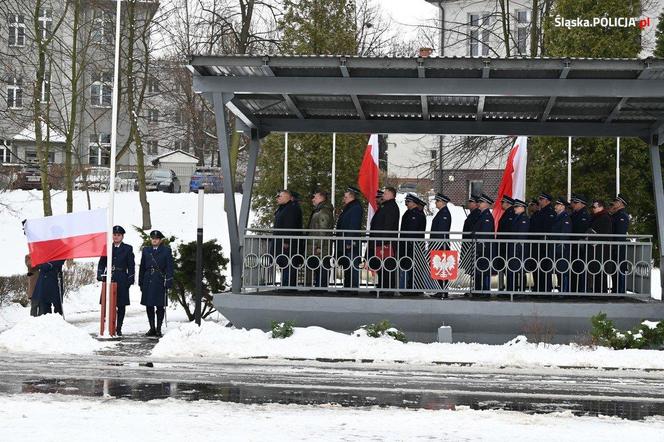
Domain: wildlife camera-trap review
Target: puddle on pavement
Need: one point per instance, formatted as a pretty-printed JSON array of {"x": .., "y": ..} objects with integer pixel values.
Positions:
[{"x": 142, "y": 391}]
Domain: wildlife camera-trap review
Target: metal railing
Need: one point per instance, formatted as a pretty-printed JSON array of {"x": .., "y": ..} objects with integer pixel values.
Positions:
[{"x": 464, "y": 263}]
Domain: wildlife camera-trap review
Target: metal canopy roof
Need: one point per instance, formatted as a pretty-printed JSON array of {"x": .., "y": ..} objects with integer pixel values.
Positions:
[{"x": 463, "y": 96}]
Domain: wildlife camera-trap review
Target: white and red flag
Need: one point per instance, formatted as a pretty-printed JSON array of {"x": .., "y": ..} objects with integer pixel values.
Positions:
[
  {"x": 74, "y": 235},
  {"x": 513, "y": 183},
  {"x": 367, "y": 179}
]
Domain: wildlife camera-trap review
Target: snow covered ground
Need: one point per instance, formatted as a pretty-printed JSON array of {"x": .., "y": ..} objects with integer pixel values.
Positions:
[
  {"x": 212, "y": 340},
  {"x": 64, "y": 418}
]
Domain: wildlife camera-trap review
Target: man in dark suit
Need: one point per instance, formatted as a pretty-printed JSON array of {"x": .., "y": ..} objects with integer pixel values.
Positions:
[
  {"x": 467, "y": 255},
  {"x": 484, "y": 250},
  {"x": 620, "y": 226},
  {"x": 123, "y": 270},
  {"x": 348, "y": 251},
  {"x": 601, "y": 224},
  {"x": 504, "y": 228},
  {"x": 288, "y": 216},
  {"x": 386, "y": 220},
  {"x": 155, "y": 277}
]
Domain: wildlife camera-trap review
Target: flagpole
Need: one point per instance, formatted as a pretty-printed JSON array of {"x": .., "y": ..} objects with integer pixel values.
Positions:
[
  {"x": 569, "y": 168},
  {"x": 286, "y": 160},
  {"x": 617, "y": 165},
  {"x": 111, "y": 184},
  {"x": 334, "y": 167}
]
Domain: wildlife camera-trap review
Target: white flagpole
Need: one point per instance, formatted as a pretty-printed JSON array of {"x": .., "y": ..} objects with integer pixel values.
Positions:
[
  {"x": 286, "y": 160},
  {"x": 569, "y": 168},
  {"x": 617, "y": 165},
  {"x": 334, "y": 167},
  {"x": 111, "y": 184}
]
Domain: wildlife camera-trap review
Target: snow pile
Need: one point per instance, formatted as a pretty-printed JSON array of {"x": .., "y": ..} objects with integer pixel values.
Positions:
[
  {"x": 48, "y": 334},
  {"x": 215, "y": 341}
]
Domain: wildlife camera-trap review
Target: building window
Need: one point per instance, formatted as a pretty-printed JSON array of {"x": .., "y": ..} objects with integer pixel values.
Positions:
[
  {"x": 15, "y": 93},
  {"x": 101, "y": 89},
  {"x": 434, "y": 154},
  {"x": 102, "y": 27},
  {"x": 32, "y": 158},
  {"x": 478, "y": 34},
  {"x": 16, "y": 30},
  {"x": 153, "y": 147},
  {"x": 153, "y": 115},
  {"x": 181, "y": 145},
  {"x": 99, "y": 149},
  {"x": 475, "y": 187},
  {"x": 153, "y": 85},
  {"x": 45, "y": 20},
  {"x": 46, "y": 88},
  {"x": 522, "y": 28},
  {"x": 5, "y": 151},
  {"x": 180, "y": 116}
]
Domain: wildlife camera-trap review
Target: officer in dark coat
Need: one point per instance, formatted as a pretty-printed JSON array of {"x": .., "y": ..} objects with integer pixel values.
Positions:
[
  {"x": 484, "y": 250},
  {"x": 601, "y": 224},
  {"x": 385, "y": 220},
  {"x": 48, "y": 289},
  {"x": 287, "y": 216},
  {"x": 580, "y": 223},
  {"x": 620, "y": 226},
  {"x": 440, "y": 229},
  {"x": 467, "y": 255},
  {"x": 504, "y": 228},
  {"x": 413, "y": 225},
  {"x": 155, "y": 277},
  {"x": 542, "y": 223},
  {"x": 561, "y": 229},
  {"x": 516, "y": 249},
  {"x": 348, "y": 251},
  {"x": 123, "y": 272}
]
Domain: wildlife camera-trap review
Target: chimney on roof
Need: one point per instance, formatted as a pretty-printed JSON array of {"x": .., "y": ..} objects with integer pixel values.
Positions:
[{"x": 425, "y": 52}]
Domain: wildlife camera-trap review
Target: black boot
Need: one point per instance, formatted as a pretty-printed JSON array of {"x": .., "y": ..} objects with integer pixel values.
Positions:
[
  {"x": 121, "y": 314},
  {"x": 160, "y": 320},
  {"x": 152, "y": 331}
]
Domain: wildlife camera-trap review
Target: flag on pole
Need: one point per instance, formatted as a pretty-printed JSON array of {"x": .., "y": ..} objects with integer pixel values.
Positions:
[
  {"x": 367, "y": 179},
  {"x": 74, "y": 235},
  {"x": 513, "y": 183}
]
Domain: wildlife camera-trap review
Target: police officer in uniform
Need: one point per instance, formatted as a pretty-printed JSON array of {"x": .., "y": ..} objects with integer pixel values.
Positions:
[
  {"x": 468, "y": 234},
  {"x": 484, "y": 250},
  {"x": 440, "y": 229},
  {"x": 155, "y": 277},
  {"x": 122, "y": 272},
  {"x": 348, "y": 251},
  {"x": 620, "y": 220},
  {"x": 562, "y": 226},
  {"x": 48, "y": 289},
  {"x": 504, "y": 228},
  {"x": 580, "y": 223},
  {"x": 542, "y": 223},
  {"x": 413, "y": 225},
  {"x": 516, "y": 276}
]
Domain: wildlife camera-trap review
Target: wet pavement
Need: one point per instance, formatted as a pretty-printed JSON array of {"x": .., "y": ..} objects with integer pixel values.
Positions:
[{"x": 626, "y": 394}]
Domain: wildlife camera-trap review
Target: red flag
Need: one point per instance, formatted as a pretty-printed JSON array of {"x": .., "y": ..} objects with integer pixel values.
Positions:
[
  {"x": 74, "y": 235},
  {"x": 513, "y": 183},
  {"x": 367, "y": 179}
]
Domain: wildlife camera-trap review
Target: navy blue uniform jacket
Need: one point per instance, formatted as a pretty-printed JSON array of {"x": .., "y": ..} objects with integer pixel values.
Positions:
[
  {"x": 48, "y": 288},
  {"x": 441, "y": 224},
  {"x": 123, "y": 270},
  {"x": 350, "y": 219},
  {"x": 155, "y": 275}
]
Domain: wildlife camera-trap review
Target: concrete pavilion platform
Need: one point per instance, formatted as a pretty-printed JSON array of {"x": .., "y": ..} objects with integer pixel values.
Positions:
[{"x": 494, "y": 321}]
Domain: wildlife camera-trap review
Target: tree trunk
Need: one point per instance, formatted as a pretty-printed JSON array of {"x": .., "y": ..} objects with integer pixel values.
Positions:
[
  {"x": 505, "y": 16},
  {"x": 73, "y": 111},
  {"x": 534, "y": 29}
]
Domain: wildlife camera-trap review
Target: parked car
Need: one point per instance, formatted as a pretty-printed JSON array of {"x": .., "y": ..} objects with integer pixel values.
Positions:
[
  {"x": 97, "y": 178},
  {"x": 163, "y": 180},
  {"x": 208, "y": 178},
  {"x": 408, "y": 188},
  {"x": 125, "y": 180},
  {"x": 27, "y": 178}
]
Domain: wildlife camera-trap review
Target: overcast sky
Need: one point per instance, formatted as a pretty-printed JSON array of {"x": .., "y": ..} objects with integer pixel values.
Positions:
[{"x": 409, "y": 13}]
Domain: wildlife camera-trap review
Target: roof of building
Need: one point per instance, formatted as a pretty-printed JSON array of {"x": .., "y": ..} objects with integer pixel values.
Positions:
[
  {"x": 175, "y": 156},
  {"x": 50, "y": 134},
  {"x": 439, "y": 95}
]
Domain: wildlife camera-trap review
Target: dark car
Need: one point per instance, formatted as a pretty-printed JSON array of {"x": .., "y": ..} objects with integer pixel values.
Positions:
[
  {"x": 208, "y": 178},
  {"x": 163, "y": 180},
  {"x": 27, "y": 178}
]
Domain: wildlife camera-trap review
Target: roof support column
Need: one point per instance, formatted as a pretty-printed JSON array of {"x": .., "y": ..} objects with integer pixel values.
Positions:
[
  {"x": 658, "y": 190},
  {"x": 248, "y": 186},
  {"x": 223, "y": 141}
]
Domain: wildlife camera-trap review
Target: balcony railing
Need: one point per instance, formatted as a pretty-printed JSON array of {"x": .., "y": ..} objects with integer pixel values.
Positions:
[{"x": 463, "y": 264}]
